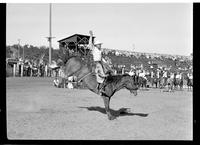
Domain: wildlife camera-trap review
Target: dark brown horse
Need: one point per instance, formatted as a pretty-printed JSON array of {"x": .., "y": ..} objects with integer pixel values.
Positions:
[{"x": 84, "y": 72}]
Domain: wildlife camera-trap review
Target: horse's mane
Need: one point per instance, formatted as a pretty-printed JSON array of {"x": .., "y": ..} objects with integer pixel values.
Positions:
[
  {"x": 72, "y": 56},
  {"x": 115, "y": 78}
]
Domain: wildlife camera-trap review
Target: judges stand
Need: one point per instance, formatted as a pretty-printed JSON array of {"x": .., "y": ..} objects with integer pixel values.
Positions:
[{"x": 12, "y": 66}]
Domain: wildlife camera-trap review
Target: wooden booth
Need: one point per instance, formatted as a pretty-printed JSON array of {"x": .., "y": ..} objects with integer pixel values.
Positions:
[{"x": 76, "y": 44}]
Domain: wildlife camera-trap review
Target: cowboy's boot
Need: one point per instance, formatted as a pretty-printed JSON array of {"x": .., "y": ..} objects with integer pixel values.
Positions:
[{"x": 98, "y": 90}]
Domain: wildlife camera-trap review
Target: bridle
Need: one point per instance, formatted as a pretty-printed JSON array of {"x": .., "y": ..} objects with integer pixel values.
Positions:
[{"x": 84, "y": 76}]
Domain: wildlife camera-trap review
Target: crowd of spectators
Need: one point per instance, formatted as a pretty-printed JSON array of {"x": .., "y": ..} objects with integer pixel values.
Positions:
[
  {"x": 126, "y": 60},
  {"x": 143, "y": 64},
  {"x": 29, "y": 68}
]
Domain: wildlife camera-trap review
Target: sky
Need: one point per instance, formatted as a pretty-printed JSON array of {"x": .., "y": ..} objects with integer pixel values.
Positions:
[{"x": 165, "y": 28}]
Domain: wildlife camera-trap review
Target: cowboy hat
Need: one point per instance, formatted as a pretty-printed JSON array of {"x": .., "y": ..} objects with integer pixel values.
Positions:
[{"x": 97, "y": 42}]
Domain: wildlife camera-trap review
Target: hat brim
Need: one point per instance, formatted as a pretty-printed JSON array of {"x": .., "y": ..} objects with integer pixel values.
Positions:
[{"x": 98, "y": 43}]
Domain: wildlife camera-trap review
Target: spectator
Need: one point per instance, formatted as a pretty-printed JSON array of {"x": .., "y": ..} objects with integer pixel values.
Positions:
[
  {"x": 46, "y": 69},
  {"x": 70, "y": 80}
]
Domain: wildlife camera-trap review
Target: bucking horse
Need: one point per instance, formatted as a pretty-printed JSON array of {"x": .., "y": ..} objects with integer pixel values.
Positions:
[{"x": 85, "y": 72}]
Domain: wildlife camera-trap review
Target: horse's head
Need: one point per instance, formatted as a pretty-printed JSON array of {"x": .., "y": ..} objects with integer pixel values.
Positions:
[
  {"x": 134, "y": 92},
  {"x": 132, "y": 84}
]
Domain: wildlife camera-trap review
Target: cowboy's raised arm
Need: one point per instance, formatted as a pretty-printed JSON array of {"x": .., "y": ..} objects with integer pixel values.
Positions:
[{"x": 90, "y": 40}]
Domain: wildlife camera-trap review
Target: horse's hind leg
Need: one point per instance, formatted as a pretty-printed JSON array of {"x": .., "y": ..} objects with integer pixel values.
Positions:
[{"x": 106, "y": 103}]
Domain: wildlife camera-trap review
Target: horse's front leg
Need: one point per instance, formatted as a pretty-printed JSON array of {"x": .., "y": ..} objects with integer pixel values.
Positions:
[{"x": 106, "y": 103}]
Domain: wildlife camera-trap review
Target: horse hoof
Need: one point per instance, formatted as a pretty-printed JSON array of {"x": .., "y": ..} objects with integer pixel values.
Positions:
[
  {"x": 111, "y": 117},
  {"x": 128, "y": 110},
  {"x": 125, "y": 110}
]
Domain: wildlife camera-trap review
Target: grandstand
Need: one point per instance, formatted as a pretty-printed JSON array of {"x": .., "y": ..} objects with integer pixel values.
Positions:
[
  {"x": 129, "y": 58},
  {"x": 126, "y": 59},
  {"x": 138, "y": 54}
]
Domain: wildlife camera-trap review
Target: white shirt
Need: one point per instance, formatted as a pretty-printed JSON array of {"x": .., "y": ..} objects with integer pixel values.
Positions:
[
  {"x": 70, "y": 78},
  {"x": 151, "y": 74},
  {"x": 177, "y": 76},
  {"x": 131, "y": 73},
  {"x": 158, "y": 74},
  {"x": 45, "y": 67},
  {"x": 56, "y": 82},
  {"x": 142, "y": 74},
  {"x": 165, "y": 74},
  {"x": 96, "y": 54},
  {"x": 172, "y": 76},
  {"x": 70, "y": 85},
  {"x": 180, "y": 76}
]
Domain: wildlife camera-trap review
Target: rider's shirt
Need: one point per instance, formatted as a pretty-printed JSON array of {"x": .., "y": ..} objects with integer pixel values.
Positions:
[
  {"x": 99, "y": 74},
  {"x": 96, "y": 54}
]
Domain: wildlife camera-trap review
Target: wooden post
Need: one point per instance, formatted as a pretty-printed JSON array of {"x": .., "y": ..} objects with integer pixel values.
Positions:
[
  {"x": 50, "y": 35},
  {"x": 76, "y": 50},
  {"x": 122, "y": 70},
  {"x": 14, "y": 69},
  {"x": 31, "y": 71},
  {"x": 22, "y": 69}
]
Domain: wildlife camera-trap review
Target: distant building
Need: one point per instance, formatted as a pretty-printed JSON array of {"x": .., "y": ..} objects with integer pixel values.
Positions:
[{"x": 77, "y": 42}]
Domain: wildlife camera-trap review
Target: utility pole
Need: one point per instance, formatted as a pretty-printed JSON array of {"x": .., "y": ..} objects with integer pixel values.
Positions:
[
  {"x": 23, "y": 53},
  {"x": 50, "y": 36},
  {"x": 18, "y": 48},
  {"x": 133, "y": 47}
]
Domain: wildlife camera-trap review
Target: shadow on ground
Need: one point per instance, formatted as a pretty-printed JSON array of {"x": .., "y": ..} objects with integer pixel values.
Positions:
[{"x": 116, "y": 113}]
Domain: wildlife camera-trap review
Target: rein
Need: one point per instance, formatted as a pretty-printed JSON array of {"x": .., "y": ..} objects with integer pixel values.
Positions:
[{"x": 84, "y": 76}]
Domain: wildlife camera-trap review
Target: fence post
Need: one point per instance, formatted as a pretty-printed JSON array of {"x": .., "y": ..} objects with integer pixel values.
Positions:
[
  {"x": 14, "y": 69},
  {"x": 22, "y": 70}
]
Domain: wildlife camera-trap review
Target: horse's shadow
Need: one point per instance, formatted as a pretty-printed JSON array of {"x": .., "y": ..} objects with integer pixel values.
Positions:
[{"x": 116, "y": 113}]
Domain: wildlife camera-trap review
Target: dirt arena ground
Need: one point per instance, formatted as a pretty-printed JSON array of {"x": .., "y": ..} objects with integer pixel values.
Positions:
[{"x": 38, "y": 110}]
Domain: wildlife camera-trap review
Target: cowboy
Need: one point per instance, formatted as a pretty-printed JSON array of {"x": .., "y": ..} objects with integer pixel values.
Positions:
[
  {"x": 158, "y": 73},
  {"x": 165, "y": 74},
  {"x": 178, "y": 75},
  {"x": 70, "y": 80},
  {"x": 172, "y": 75},
  {"x": 142, "y": 74},
  {"x": 152, "y": 74},
  {"x": 97, "y": 57}
]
